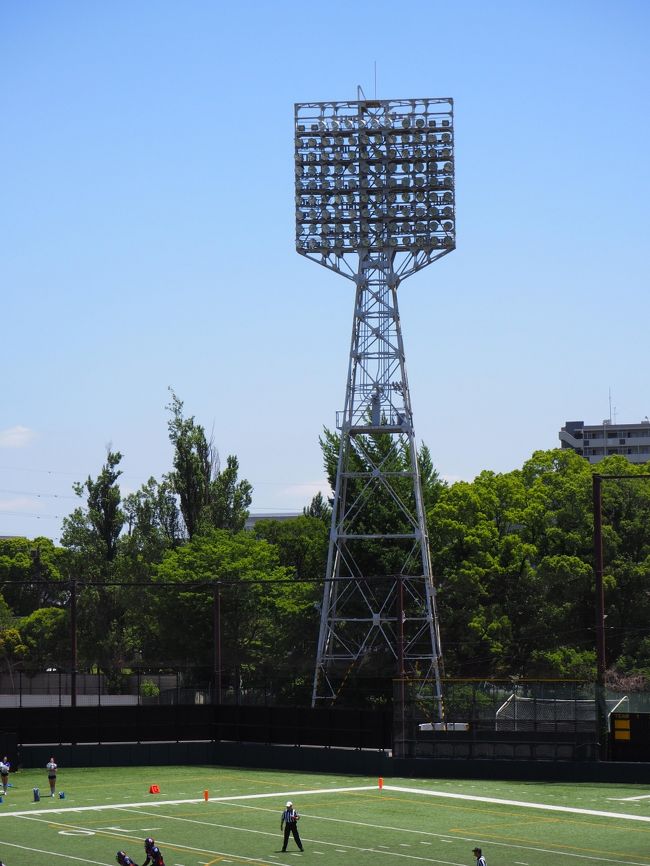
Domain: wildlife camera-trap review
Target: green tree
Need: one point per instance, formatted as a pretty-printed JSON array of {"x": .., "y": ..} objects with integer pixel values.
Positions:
[
  {"x": 512, "y": 557},
  {"x": 249, "y": 572},
  {"x": 626, "y": 536},
  {"x": 229, "y": 498},
  {"x": 464, "y": 543},
  {"x": 30, "y": 574},
  {"x": 12, "y": 648},
  {"x": 92, "y": 532},
  {"x": 379, "y": 508},
  {"x": 153, "y": 525},
  {"x": 194, "y": 465},
  {"x": 301, "y": 543},
  {"x": 152, "y": 514},
  {"x": 209, "y": 497},
  {"x": 319, "y": 507},
  {"x": 46, "y": 636},
  {"x": 91, "y": 537}
]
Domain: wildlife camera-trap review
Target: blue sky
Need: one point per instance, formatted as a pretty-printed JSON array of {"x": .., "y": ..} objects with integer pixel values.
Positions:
[{"x": 147, "y": 221}]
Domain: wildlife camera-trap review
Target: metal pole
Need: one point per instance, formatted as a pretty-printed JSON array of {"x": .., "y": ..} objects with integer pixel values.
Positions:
[
  {"x": 216, "y": 640},
  {"x": 73, "y": 643},
  {"x": 598, "y": 573},
  {"x": 601, "y": 707},
  {"x": 400, "y": 668},
  {"x": 401, "y": 627}
]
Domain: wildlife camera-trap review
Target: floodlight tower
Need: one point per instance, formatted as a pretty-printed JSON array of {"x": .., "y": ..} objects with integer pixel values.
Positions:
[{"x": 375, "y": 203}]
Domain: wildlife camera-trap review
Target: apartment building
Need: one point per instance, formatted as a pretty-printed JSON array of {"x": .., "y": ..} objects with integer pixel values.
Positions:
[{"x": 595, "y": 441}]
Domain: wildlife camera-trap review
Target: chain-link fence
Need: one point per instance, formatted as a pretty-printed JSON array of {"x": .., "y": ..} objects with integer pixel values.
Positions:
[
  {"x": 509, "y": 718},
  {"x": 133, "y": 687}
]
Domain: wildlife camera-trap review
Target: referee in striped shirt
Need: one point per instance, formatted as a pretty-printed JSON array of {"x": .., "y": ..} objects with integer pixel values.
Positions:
[
  {"x": 289, "y": 821},
  {"x": 480, "y": 859}
]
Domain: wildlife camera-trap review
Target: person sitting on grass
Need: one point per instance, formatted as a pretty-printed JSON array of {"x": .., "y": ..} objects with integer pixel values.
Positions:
[
  {"x": 154, "y": 857},
  {"x": 124, "y": 859}
]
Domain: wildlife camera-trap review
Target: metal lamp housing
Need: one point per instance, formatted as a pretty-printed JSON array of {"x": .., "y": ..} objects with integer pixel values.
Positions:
[{"x": 375, "y": 175}]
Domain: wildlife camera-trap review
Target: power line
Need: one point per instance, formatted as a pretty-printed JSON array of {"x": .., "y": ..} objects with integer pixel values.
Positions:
[
  {"x": 39, "y": 495},
  {"x": 32, "y": 514},
  {"x": 31, "y": 469}
]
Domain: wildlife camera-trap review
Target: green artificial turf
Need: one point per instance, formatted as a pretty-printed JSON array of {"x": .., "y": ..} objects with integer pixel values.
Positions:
[{"x": 107, "y": 809}]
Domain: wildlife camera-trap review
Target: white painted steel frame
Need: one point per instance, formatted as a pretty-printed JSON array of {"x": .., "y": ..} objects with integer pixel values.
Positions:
[
  {"x": 375, "y": 203},
  {"x": 363, "y": 614}
]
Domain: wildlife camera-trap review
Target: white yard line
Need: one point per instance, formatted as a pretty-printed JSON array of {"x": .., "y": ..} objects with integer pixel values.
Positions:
[
  {"x": 336, "y": 845},
  {"x": 186, "y": 848},
  {"x": 53, "y": 854},
  {"x": 49, "y": 814},
  {"x": 628, "y": 799}
]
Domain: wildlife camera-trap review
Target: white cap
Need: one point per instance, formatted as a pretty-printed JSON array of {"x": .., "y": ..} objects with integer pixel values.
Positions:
[{"x": 289, "y": 804}]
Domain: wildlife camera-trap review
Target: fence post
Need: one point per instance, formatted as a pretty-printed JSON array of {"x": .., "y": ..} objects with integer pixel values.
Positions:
[
  {"x": 216, "y": 642},
  {"x": 601, "y": 706},
  {"x": 73, "y": 643}
]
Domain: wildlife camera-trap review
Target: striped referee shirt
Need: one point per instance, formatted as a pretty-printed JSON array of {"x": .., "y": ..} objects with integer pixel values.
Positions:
[{"x": 289, "y": 816}]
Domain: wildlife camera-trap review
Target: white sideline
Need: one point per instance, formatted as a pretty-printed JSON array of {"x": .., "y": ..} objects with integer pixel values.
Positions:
[
  {"x": 548, "y": 807},
  {"x": 521, "y": 803},
  {"x": 152, "y": 803}
]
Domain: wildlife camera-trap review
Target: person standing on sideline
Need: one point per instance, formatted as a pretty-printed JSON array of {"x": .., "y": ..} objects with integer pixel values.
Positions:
[
  {"x": 154, "y": 857},
  {"x": 480, "y": 859},
  {"x": 5, "y": 766},
  {"x": 289, "y": 821},
  {"x": 51, "y": 768}
]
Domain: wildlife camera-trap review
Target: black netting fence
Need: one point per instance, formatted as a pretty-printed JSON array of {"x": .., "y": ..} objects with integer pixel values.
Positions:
[{"x": 507, "y": 719}]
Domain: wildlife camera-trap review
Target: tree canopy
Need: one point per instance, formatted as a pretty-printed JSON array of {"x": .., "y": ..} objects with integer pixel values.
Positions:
[{"x": 512, "y": 557}]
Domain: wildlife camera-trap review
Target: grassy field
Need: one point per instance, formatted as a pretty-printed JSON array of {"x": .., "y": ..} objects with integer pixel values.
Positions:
[{"x": 345, "y": 820}]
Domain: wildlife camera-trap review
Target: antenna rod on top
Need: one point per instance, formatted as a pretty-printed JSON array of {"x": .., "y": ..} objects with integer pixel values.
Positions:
[
  {"x": 610, "y": 404},
  {"x": 375, "y": 79}
]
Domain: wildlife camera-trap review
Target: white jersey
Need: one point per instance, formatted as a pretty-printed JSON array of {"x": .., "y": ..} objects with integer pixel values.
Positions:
[
  {"x": 4, "y": 768},
  {"x": 51, "y": 767}
]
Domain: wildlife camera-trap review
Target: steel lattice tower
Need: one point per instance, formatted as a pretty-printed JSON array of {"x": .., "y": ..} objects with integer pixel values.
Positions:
[{"x": 375, "y": 203}]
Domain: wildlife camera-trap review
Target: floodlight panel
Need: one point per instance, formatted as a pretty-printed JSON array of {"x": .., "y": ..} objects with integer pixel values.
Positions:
[{"x": 393, "y": 163}]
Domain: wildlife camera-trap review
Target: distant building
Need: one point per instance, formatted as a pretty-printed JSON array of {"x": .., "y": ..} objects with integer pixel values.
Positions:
[
  {"x": 277, "y": 515},
  {"x": 595, "y": 441}
]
